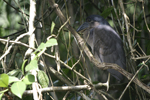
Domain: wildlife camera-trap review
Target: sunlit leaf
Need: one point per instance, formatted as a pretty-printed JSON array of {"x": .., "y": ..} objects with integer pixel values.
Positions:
[
  {"x": 4, "y": 80},
  {"x": 3, "y": 91},
  {"x": 1, "y": 94},
  {"x": 18, "y": 88},
  {"x": 41, "y": 46},
  {"x": 52, "y": 26},
  {"x": 51, "y": 42},
  {"x": 13, "y": 79},
  {"x": 14, "y": 72},
  {"x": 33, "y": 65}
]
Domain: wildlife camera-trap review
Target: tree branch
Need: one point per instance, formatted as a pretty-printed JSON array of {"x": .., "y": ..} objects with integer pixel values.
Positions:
[
  {"x": 64, "y": 88},
  {"x": 103, "y": 66}
]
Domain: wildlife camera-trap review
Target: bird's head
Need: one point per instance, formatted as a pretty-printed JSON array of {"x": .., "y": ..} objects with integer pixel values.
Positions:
[{"x": 91, "y": 22}]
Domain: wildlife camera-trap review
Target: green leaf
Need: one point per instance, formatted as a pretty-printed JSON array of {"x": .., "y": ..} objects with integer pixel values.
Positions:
[
  {"x": 23, "y": 65},
  {"x": 106, "y": 12},
  {"x": 52, "y": 27},
  {"x": 51, "y": 42},
  {"x": 43, "y": 79},
  {"x": 19, "y": 76},
  {"x": 4, "y": 80},
  {"x": 33, "y": 65},
  {"x": 29, "y": 79},
  {"x": 18, "y": 88},
  {"x": 13, "y": 79},
  {"x": 1, "y": 94},
  {"x": 14, "y": 72},
  {"x": 41, "y": 47},
  {"x": 3, "y": 91}
]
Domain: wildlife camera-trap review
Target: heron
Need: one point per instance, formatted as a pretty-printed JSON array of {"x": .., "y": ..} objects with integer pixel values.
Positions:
[{"x": 106, "y": 45}]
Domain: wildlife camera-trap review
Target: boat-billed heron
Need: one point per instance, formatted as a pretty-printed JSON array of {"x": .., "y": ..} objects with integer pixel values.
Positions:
[{"x": 105, "y": 43}]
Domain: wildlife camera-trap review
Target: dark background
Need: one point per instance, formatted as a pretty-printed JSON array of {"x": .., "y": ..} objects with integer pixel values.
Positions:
[{"x": 136, "y": 40}]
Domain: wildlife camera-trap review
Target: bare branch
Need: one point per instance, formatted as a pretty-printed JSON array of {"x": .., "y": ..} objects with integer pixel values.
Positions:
[{"x": 89, "y": 54}]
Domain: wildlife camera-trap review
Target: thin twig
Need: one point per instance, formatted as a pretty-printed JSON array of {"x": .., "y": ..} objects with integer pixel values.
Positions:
[
  {"x": 131, "y": 80},
  {"x": 64, "y": 88},
  {"x": 9, "y": 48},
  {"x": 89, "y": 54}
]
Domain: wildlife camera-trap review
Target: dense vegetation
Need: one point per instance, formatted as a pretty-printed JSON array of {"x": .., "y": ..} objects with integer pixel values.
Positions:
[{"x": 42, "y": 56}]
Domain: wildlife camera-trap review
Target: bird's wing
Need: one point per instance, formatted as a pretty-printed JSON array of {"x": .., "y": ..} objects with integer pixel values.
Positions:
[{"x": 110, "y": 48}]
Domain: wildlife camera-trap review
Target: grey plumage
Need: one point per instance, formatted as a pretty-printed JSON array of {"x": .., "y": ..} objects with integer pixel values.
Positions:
[{"x": 105, "y": 43}]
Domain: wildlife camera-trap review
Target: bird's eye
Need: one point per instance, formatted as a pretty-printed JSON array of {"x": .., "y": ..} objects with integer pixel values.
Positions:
[{"x": 88, "y": 20}]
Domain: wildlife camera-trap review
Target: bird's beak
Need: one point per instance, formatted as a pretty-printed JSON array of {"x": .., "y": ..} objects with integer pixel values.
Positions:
[{"x": 83, "y": 27}]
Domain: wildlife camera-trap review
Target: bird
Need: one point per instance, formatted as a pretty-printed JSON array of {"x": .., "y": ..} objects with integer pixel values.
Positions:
[{"x": 105, "y": 43}]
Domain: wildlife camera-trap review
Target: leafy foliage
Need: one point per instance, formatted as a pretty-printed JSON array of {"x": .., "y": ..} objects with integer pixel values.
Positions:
[
  {"x": 56, "y": 47},
  {"x": 18, "y": 88},
  {"x": 19, "y": 84}
]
